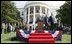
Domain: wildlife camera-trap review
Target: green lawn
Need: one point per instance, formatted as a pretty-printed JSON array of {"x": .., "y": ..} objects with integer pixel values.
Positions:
[
  {"x": 65, "y": 39},
  {"x": 6, "y": 38}
]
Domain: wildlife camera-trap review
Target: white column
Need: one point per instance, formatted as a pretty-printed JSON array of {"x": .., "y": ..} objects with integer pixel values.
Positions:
[
  {"x": 25, "y": 14},
  {"x": 46, "y": 11},
  {"x": 40, "y": 10},
  {"x": 34, "y": 18},
  {"x": 3, "y": 26},
  {"x": 28, "y": 17}
]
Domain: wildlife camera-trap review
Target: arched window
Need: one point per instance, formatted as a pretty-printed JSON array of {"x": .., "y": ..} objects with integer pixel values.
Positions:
[
  {"x": 31, "y": 9},
  {"x": 37, "y": 8},
  {"x": 43, "y": 10}
]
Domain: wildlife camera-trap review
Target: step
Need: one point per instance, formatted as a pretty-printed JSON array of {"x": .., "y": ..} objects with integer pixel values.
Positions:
[
  {"x": 40, "y": 34},
  {"x": 40, "y": 37},
  {"x": 41, "y": 40}
]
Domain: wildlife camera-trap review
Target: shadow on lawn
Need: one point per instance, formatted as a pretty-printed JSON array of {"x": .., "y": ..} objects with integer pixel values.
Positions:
[{"x": 15, "y": 39}]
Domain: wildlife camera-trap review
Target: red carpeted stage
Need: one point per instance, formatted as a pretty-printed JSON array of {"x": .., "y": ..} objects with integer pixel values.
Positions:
[{"x": 41, "y": 38}]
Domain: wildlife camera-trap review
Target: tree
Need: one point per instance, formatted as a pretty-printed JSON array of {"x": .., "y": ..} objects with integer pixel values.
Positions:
[
  {"x": 9, "y": 13},
  {"x": 65, "y": 13}
]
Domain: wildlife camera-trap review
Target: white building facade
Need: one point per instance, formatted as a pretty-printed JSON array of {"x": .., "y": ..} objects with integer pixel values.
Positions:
[{"x": 32, "y": 10}]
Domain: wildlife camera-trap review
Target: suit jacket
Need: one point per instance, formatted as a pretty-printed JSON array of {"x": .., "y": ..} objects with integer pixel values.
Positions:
[
  {"x": 45, "y": 19},
  {"x": 50, "y": 20}
]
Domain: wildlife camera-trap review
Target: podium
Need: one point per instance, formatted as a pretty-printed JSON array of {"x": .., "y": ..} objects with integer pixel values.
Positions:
[{"x": 40, "y": 27}]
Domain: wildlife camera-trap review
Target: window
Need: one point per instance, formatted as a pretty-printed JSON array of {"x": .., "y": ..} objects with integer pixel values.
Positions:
[
  {"x": 37, "y": 8},
  {"x": 22, "y": 13},
  {"x": 31, "y": 9},
  {"x": 27, "y": 10},
  {"x": 31, "y": 19},
  {"x": 43, "y": 10},
  {"x": 27, "y": 18}
]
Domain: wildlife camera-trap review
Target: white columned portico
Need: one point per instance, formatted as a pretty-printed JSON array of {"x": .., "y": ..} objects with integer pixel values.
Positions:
[
  {"x": 34, "y": 18},
  {"x": 30, "y": 13}
]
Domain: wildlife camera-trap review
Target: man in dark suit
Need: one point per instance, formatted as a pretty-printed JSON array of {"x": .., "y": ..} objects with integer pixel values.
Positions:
[
  {"x": 51, "y": 22},
  {"x": 46, "y": 22}
]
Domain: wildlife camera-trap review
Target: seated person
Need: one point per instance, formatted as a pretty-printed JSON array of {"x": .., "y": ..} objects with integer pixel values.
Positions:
[
  {"x": 17, "y": 34},
  {"x": 26, "y": 31},
  {"x": 55, "y": 34},
  {"x": 30, "y": 29},
  {"x": 23, "y": 34}
]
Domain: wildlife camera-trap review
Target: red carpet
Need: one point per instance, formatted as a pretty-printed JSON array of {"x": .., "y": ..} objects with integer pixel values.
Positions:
[{"x": 41, "y": 38}]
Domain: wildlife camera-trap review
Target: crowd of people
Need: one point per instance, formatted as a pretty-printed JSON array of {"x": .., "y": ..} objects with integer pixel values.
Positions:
[
  {"x": 7, "y": 27},
  {"x": 25, "y": 30},
  {"x": 49, "y": 24},
  {"x": 48, "y": 21}
]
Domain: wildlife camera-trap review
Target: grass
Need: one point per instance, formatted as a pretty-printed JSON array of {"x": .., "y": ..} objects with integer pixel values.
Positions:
[
  {"x": 6, "y": 38},
  {"x": 66, "y": 38}
]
